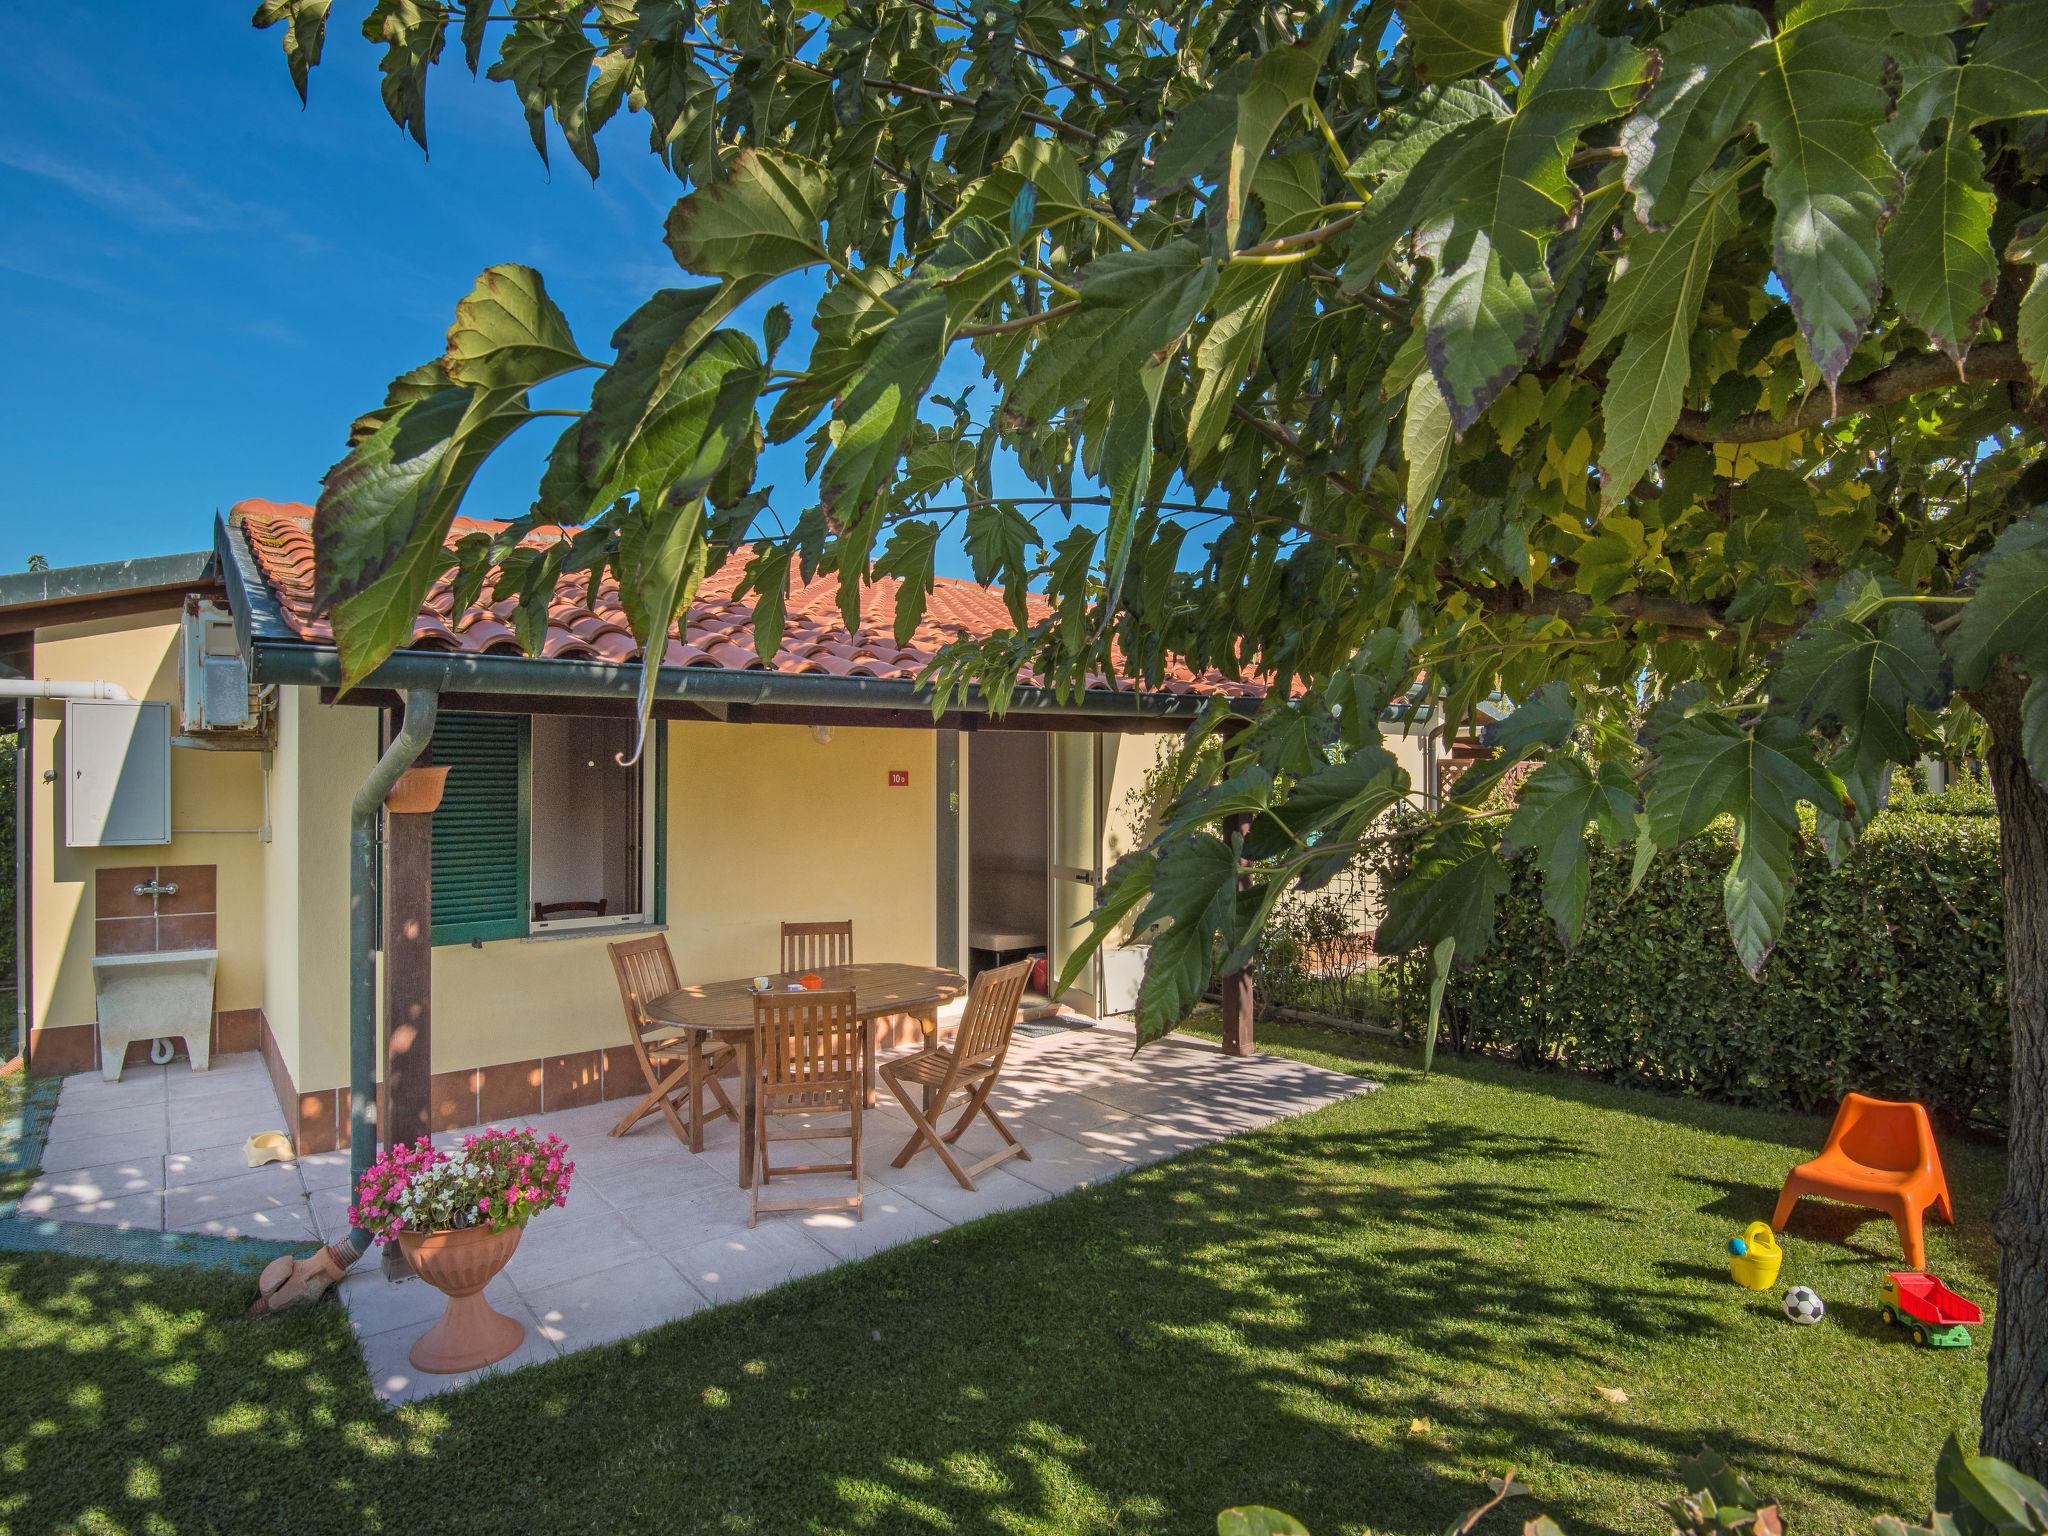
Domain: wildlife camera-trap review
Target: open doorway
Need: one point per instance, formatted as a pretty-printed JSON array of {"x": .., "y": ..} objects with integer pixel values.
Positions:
[
  {"x": 1006, "y": 852},
  {"x": 1033, "y": 855}
]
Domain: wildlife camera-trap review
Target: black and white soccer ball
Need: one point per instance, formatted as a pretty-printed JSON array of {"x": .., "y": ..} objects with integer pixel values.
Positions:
[{"x": 1803, "y": 1306}]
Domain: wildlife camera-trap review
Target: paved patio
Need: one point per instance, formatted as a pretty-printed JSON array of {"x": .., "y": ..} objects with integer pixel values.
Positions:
[{"x": 650, "y": 1233}]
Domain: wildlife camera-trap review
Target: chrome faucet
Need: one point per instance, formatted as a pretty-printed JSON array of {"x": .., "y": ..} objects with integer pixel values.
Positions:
[{"x": 153, "y": 888}]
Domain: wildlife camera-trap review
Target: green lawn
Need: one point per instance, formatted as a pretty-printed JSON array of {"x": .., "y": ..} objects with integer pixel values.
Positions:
[{"x": 1266, "y": 1320}]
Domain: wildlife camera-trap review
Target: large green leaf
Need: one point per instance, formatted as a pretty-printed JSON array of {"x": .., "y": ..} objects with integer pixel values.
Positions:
[
  {"x": 305, "y": 32},
  {"x": 911, "y": 558},
  {"x": 1846, "y": 678},
  {"x": 1409, "y": 154},
  {"x": 1453, "y": 885},
  {"x": 766, "y": 218},
  {"x": 689, "y": 434},
  {"x": 382, "y": 521},
  {"x": 1489, "y": 217},
  {"x": 654, "y": 344},
  {"x": 1709, "y": 766},
  {"x": 2033, "y": 326},
  {"x": 998, "y": 536},
  {"x": 1257, "y": 1520},
  {"x": 1282, "y": 80},
  {"x": 1543, "y": 721},
  {"x": 1557, "y": 802},
  {"x": 661, "y": 562},
  {"x": 1426, "y": 444},
  {"x": 1455, "y": 37},
  {"x": 1441, "y": 954},
  {"x": 391, "y": 481},
  {"x": 549, "y": 66},
  {"x": 766, "y": 579},
  {"x": 876, "y": 412},
  {"x": 848, "y": 314},
  {"x": 1229, "y": 350},
  {"x": 1340, "y": 800},
  {"x": 1127, "y": 883},
  {"x": 1815, "y": 93},
  {"x": 1655, "y": 305},
  {"x": 1193, "y": 900},
  {"x": 1127, "y": 470},
  {"x": 2007, "y": 615},
  {"x": 1135, "y": 307},
  {"x": 1937, "y": 247},
  {"x": 412, "y": 32},
  {"x": 1983, "y": 1496},
  {"x": 508, "y": 334}
]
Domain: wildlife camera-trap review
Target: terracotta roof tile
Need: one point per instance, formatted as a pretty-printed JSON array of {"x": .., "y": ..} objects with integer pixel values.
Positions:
[{"x": 716, "y": 631}]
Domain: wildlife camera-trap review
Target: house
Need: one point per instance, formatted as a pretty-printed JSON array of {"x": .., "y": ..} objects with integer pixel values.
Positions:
[{"x": 183, "y": 730}]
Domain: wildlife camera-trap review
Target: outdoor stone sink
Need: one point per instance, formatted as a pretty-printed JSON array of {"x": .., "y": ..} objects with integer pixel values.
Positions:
[{"x": 149, "y": 996}]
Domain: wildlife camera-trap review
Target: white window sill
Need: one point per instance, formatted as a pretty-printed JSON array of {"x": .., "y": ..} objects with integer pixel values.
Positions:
[{"x": 613, "y": 931}]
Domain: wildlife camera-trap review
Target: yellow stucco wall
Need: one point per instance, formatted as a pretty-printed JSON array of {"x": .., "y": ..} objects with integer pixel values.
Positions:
[
  {"x": 323, "y": 753},
  {"x": 764, "y": 823},
  {"x": 222, "y": 791},
  {"x": 281, "y": 875}
]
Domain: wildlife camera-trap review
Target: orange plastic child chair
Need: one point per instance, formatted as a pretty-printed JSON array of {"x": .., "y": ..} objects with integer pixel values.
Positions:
[{"x": 1879, "y": 1155}]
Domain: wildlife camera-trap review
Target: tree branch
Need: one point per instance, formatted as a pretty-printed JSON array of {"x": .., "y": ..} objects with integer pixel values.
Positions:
[
  {"x": 1630, "y": 607},
  {"x": 1905, "y": 376},
  {"x": 1019, "y": 322},
  {"x": 966, "y": 103},
  {"x": 1306, "y": 238}
]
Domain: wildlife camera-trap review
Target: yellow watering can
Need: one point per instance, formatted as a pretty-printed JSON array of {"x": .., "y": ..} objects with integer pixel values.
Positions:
[{"x": 1754, "y": 1257}]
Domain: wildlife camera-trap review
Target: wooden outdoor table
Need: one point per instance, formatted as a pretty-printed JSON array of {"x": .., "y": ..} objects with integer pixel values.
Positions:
[{"x": 725, "y": 1010}]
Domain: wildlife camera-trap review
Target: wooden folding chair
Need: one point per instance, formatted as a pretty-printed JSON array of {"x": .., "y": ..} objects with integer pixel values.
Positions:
[
  {"x": 808, "y": 1048},
  {"x": 678, "y": 1067},
  {"x": 814, "y": 946},
  {"x": 971, "y": 1064}
]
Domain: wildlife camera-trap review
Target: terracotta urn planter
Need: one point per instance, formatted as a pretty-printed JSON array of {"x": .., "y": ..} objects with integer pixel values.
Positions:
[
  {"x": 417, "y": 792},
  {"x": 472, "y": 1332}
]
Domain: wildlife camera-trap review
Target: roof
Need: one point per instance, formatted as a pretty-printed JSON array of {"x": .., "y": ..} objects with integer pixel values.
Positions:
[
  {"x": 31, "y": 598},
  {"x": 716, "y": 631}
]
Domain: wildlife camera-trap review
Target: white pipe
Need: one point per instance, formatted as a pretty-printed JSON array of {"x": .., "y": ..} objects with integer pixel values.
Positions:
[{"x": 51, "y": 688}]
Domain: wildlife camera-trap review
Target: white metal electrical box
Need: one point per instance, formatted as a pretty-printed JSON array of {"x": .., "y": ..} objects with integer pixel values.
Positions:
[{"x": 117, "y": 772}]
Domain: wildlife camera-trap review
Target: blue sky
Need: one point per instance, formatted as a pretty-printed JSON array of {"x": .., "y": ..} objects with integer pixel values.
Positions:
[{"x": 201, "y": 284}]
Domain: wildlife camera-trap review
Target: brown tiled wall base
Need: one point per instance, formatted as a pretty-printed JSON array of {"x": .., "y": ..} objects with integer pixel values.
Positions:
[
  {"x": 473, "y": 1096},
  {"x": 69, "y": 1048}
]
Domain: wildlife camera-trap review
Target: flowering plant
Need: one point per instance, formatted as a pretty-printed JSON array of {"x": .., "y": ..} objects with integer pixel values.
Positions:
[{"x": 498, "y": 1179}]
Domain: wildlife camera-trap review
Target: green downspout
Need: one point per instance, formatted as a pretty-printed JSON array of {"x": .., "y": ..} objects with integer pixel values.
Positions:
[{"x": 421, "y": 705}]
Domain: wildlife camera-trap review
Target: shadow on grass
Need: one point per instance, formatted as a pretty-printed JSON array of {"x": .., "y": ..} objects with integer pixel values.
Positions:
[{"x": 1260, "y": 1321}]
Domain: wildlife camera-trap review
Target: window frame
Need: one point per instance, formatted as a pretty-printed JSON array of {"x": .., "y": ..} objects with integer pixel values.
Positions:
[
  {"x": 651, "y": 768},
  {"x": 653, "y": 825}
]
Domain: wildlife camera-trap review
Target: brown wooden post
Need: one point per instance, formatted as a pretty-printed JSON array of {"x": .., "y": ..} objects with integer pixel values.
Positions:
[
  {"x": 408, "y": 965},
  {"x": 1237, "y": 985}
]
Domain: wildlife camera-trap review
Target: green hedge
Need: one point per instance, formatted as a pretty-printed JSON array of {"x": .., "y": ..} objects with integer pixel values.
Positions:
[{"x": 1890, "y": 977}]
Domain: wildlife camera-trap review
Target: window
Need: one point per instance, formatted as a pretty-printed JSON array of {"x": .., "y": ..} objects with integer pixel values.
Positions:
[{"x": 540, "y": 829}]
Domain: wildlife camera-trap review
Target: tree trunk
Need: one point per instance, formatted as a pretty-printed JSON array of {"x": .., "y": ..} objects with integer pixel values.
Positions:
[{"x": 2016, "y": 1398}]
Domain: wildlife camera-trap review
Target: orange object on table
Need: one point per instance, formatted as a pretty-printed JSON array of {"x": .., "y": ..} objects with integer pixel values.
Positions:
[
  {"x": 1879, "y": 1155},
  {"x": 811, "y": 983}
]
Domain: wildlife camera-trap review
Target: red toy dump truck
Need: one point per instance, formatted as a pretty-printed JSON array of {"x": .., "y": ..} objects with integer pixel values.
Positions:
[{"x": 1933, "y": 1313}]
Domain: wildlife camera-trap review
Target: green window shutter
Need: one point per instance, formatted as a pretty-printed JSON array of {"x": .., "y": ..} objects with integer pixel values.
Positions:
[{"x": 480, "y": 829}]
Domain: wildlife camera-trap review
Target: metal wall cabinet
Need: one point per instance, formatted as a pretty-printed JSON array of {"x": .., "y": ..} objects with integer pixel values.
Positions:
[{"x": 117, "y": 772}]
